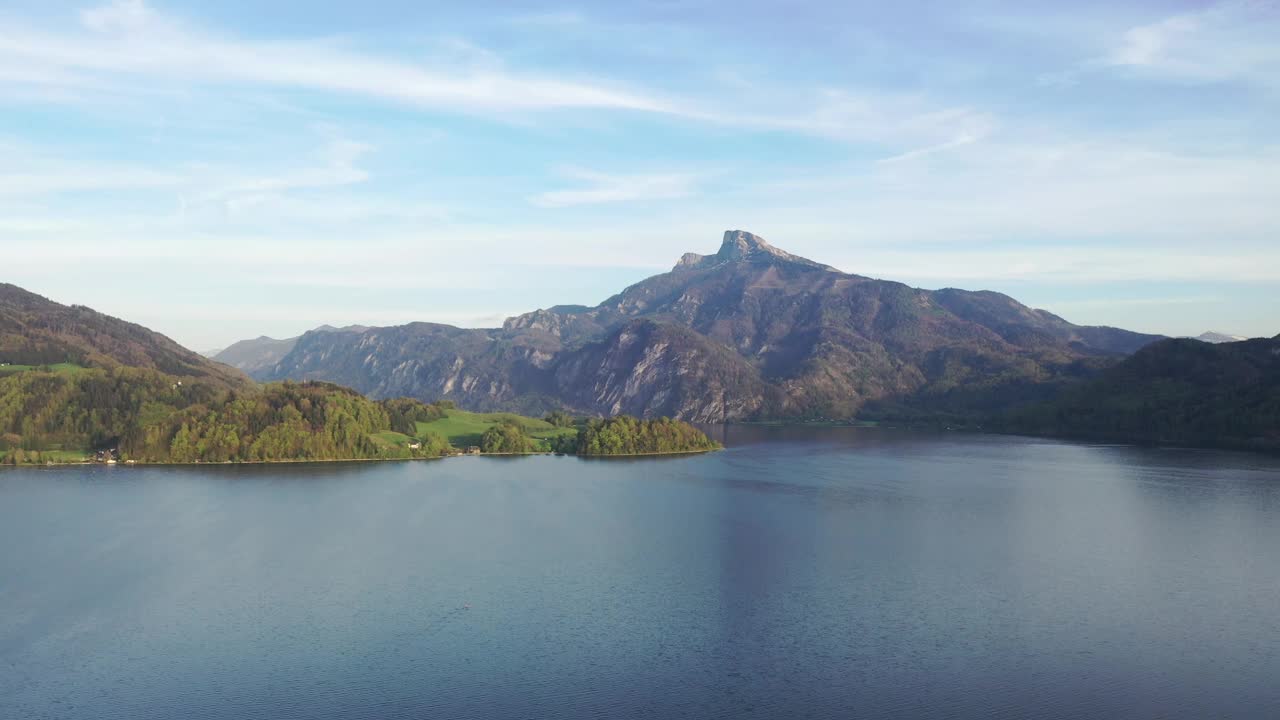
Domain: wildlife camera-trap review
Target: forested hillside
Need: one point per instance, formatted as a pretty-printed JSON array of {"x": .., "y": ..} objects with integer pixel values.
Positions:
[
  {"x": 1182, "y": 391},
  {"x": 37, "y": 331}
]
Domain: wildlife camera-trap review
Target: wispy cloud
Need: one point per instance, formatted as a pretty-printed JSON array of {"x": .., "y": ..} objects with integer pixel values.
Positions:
[
  {"x": 131, "y": 39},
  {"x": 561, "y": 18},
  {"x": 960, "y": 140},
  {"x": 31, "y": 171},
  {"x": 1232, "y": 41},
  {"x": 128, "y": 37},
  {"x": 870, "y": 117},
  {"x": 604, "y": 188}
]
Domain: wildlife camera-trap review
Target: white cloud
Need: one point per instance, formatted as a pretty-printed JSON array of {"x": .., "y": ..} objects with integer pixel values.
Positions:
[
  {"x": 119, "y": 15},
  {"x": 274, "y": 188},
  {"x": 1229, "y": 41}
]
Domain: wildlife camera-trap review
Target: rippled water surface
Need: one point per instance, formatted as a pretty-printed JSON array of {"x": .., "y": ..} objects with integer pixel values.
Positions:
[{"x": 801, "y": 573}]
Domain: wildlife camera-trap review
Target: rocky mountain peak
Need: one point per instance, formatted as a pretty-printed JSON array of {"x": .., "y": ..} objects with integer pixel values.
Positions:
[
  {"x": 690, "y": 260},
  {"x": 742, "y": 246}
]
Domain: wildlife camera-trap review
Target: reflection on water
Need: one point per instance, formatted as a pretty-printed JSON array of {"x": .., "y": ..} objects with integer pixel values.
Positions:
[{"x": 802, "y": 572}]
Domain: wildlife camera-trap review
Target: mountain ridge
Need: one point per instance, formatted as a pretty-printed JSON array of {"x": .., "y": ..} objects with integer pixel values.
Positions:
[{"x": 792, "y": 337}]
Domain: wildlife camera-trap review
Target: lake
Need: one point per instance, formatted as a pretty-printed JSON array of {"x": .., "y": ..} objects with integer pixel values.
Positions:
[{"x": 825, "y": 573}]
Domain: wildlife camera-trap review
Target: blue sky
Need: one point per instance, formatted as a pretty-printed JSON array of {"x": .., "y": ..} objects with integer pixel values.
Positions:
[{"x": 223, "y": 170}]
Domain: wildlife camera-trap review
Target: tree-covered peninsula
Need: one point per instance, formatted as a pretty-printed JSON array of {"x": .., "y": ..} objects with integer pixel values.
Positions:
[
  {"x": 146, "y": 416},
  {"x": 625, "y": 435},
  {"x": 69, "y": 413}
]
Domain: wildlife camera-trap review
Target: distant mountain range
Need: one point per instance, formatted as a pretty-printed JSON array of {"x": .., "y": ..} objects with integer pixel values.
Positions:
[{"x": 749, "y": 332}]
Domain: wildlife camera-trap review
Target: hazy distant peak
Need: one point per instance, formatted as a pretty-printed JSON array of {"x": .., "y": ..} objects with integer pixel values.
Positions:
[
  {"x": 1217, "y": 337},
  {"x": 742, "y": 246},
  {"x": 348, "y": 328}
]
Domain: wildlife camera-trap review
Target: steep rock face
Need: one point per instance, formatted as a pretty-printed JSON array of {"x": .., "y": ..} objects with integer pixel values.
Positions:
[
  {"x": 795, "y": 337},
  {"x": 35, "y": 330},
  {"x": 652, "y": 369},
  {"x": 480, "y": 369}
]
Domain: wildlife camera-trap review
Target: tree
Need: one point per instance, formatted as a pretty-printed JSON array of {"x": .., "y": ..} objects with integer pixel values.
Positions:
[
  {"x": 559, "y": 418},
  {"x": 506, "y": 437}
]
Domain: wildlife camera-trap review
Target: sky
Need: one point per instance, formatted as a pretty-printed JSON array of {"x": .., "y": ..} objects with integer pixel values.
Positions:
[{"x": 218, "y": 171}]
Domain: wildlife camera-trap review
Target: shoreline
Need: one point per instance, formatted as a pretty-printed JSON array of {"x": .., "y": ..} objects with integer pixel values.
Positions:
[{"x": 125, "y": 463}]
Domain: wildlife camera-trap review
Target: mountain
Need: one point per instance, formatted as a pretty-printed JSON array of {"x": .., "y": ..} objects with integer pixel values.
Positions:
[
  {"x": 260, "y": 354},
  {"x": 1181, "y": 391},
  {"x": 750, "y": 331},
  {"x": 37, "y": 331},
  {"x": 1217, "y": 337}
]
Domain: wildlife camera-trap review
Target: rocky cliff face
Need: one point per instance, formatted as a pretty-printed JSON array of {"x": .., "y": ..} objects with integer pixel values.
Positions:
[
  {"x": 750, "y": 331},
  {"x": 652, "y": 369}
]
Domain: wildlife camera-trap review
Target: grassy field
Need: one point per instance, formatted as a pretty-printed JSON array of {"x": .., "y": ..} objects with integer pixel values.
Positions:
[
  {"x": 390, "y": 439},
  {"x": 58, "y": 456},
  {"x": 68, "y": 368},
  {"x": 462, "y": 428}
]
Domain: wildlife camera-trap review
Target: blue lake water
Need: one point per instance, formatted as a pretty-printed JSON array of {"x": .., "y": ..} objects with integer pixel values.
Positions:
[{"x": 801, "y": 573}]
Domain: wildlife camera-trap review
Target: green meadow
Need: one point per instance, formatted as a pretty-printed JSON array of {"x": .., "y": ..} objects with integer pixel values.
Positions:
[
  {"x": 43, "y": 456},
  {"x": 391, "y": 439},
  {"x": 462, "y": 428},
  {"x": 65, "y": 368}
]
